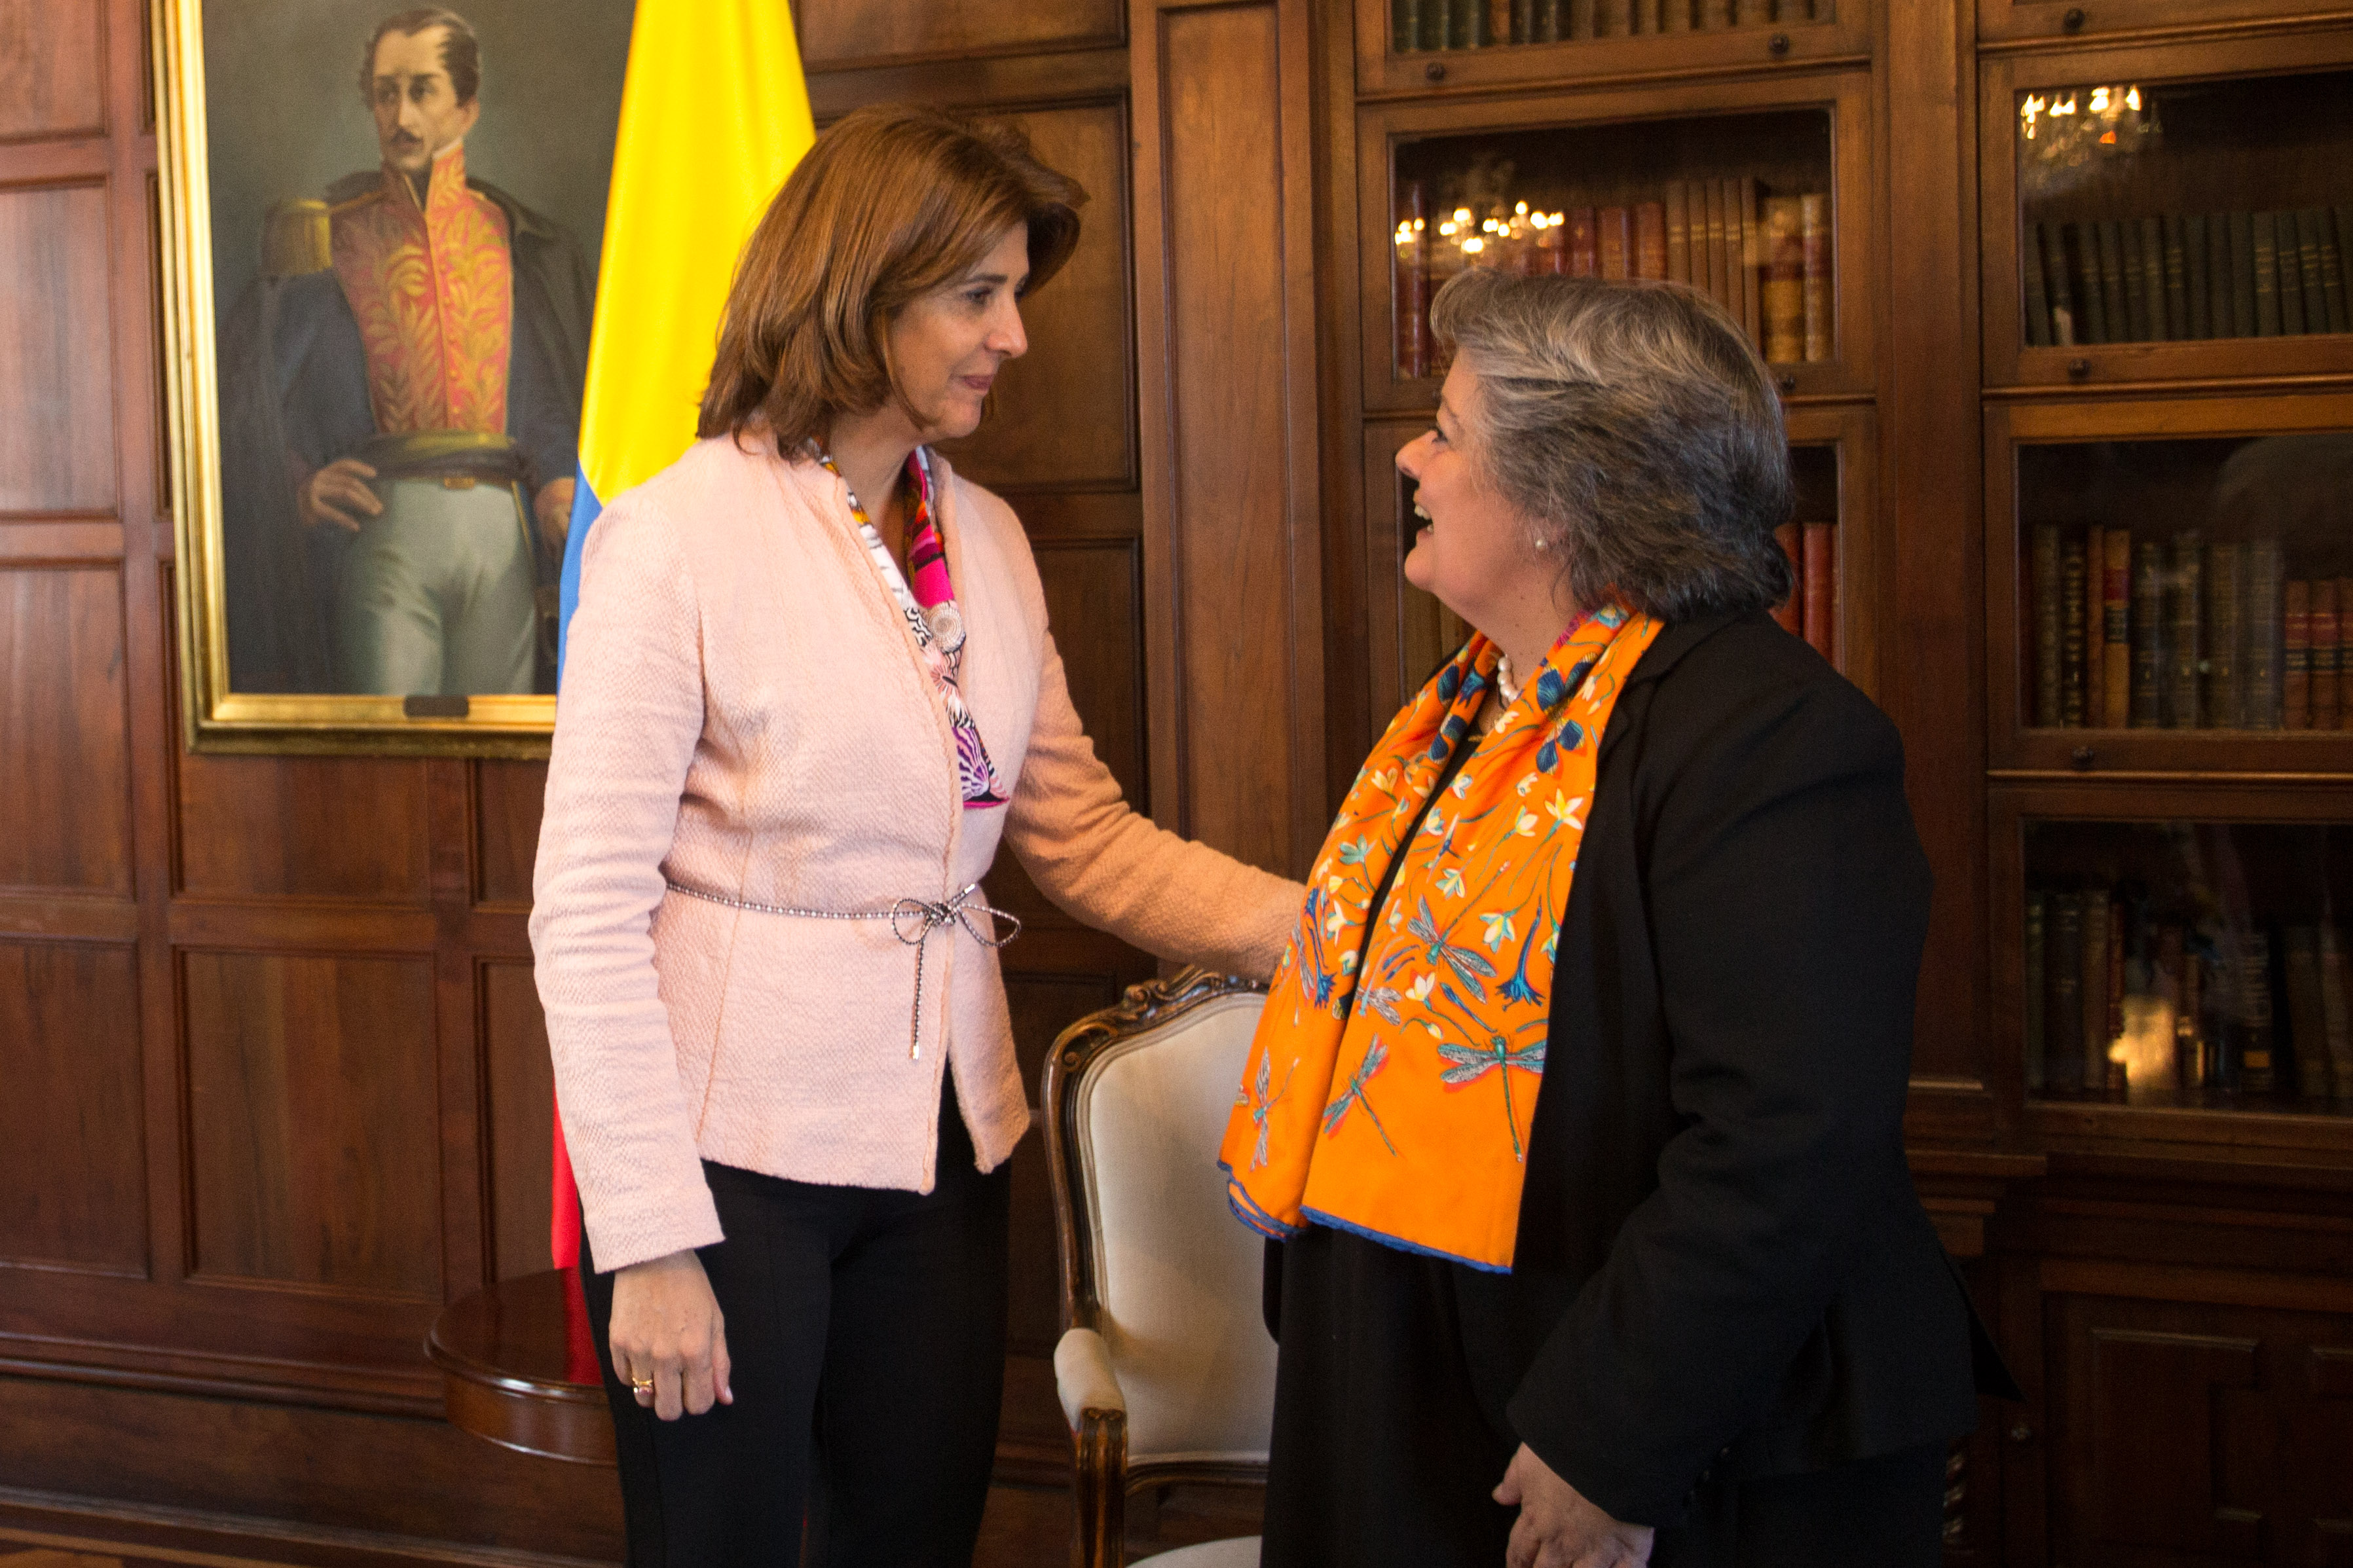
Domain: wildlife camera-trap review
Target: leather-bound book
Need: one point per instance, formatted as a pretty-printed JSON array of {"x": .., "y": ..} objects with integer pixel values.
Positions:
[
  {"x": 2247, "y": 295},
  {"x": 2296, "y": 656},
  {"x": 1405, "y": 26},
  {"x": 2177, "y": 275},
  {"x": 2108, "y": 236},
  {"x": 1679, "y": 245},
  {"x": 2066, "y": 326},
  {"x": 1548, "y": 21},
  {"x": 2112, "y": 1021},
  {"x": 2071, "y": 633},
  {"x": 2064, "y": 1010},
  {"x": 1783, "y": 293},
  {"x": 1584, "y": 243},
  {"x": 2193, "y": 261},
  {"x": 2344, "y": 598},
  {"x": 1617, "y": 232},
  {"x": 2094, "y": 989},
  {"x": 1578, "y": 20},
  {"x": 2336, "y": 1021},
  {"x": 2093, "y": 325},
  {"x": 2043, "y": 587},
  {"x": 2333, "y": 246},
  {"x": 1751, "y": 261},
  {"x": 2257, "y": 1071},
  {"x": 2222, "y": 275},
  {"x": 2307, "y": 254},
  {"x": 2323, "y": 639},
  {"x": 1651, "y": 240},
  {"x": 2150, "y": 248},
  {"x": 2037, "y": 297},
  {"x": 2115, "y": 628},
  {"x": 1412, "y": 282},
  {"x": 2226, "y": 579},
  {"x": 1719, "y": 261},
  {"x": 1790, "y": 612},
  {"x": 1524, "y": 21},
  {"x": 2037, "y": 983},
  {"x": 2185, "y": 626},
  {"x": 2288, "y": 271},
  {"x": 2305, "y": 1046},
  {"x": 2147, "y": 635},
  {"x": 2260, "y": 628},
  {"x": 1814, "y": 245},
  {"x": 2135, "y": 275},
  {"x": 1675, "y": 16},
  {"x": 1820, "y": 572},
  {"x": 2095, "y": 633}
]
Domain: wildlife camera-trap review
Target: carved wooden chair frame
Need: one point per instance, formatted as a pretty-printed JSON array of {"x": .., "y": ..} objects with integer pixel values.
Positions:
[{"x": 1103, "y": 1478}]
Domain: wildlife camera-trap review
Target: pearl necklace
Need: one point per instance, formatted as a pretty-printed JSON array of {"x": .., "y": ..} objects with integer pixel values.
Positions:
[{"x": 1507, "y": 694}]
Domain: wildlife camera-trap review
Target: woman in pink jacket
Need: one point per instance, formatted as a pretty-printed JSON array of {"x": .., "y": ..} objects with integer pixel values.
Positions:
[{"x": 808, "y": 689}]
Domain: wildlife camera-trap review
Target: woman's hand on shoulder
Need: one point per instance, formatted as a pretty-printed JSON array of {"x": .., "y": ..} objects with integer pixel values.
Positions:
[
  {"x": 668, "y": 1340},
  {"x": 1559, "y": 1528}
]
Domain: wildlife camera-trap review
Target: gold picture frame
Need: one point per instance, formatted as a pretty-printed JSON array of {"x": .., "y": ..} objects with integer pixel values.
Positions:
[{"x": 288, "y": 82}]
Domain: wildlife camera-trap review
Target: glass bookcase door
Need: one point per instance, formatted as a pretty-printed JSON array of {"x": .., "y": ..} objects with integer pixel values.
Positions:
[
  {"x": 2002, "y": 20},
  {"x": 2177, "y": 961},
  {"x": 1743, "y": 200},
  {"x": 1416, "y": 44},
  {"x": 2173, "y": 598},
  {"x": 2146, "y": 223}
]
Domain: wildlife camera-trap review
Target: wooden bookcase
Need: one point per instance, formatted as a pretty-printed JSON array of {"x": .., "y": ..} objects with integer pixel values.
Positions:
[{"x": 2168, "y": 1269}]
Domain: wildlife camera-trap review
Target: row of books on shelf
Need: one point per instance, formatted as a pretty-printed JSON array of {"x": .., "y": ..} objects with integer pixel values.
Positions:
[
  {"x": 1811, "y": 611},
  {"x": 2122, "y": 997},
  {"x": 2133, "y": 634},
  {"x": 1423, "y": 24},
  {"x": 1765, "y": 258},
  {"x": 2173, "y": 277}
]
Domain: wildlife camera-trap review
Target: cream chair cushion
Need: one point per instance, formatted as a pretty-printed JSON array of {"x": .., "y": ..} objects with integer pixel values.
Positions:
[
  {"x": 1238, "y": 1552},
  {"x": 1178, "y": 1275}
]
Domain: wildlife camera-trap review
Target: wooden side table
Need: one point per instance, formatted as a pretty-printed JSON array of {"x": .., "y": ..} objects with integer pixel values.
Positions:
[{"x": 518, "y": 1367}]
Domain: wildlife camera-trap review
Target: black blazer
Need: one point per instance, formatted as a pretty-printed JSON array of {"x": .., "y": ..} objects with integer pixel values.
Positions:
[{"x": 1722, "y": 1266}]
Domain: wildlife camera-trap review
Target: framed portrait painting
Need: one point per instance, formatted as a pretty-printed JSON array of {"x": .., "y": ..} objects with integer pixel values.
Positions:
[{"x": 381, "y": 231}]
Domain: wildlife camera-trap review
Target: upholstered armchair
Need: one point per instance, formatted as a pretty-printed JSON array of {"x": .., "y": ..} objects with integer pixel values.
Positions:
[{"x": 1166, "y": 1372}]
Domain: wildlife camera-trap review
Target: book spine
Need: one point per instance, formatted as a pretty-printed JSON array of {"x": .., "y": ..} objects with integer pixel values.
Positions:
[
  {"x": 2254, "y": 1014},
  {"x": 1524, "y": 21},
  {"x": 1675, "y": 16},
  {"x": 2336, "y": 1022},
  {"x": 1719, "y": 263},
  {"x": 1651, "y": 240},
  {"x": 2070, "y": 644},
  {"x": 2065, "y": 1008},
  {"x": 1617, "y": 234},
  {"x": 1751, "y": 261},
  {"x": 2147, "y": 635},
  {"x": 2116, "y": 627},
  {"x": 1784, "y": 290},
  {"x": 1814, "y": 251},
  {"x": 2037, "y": 302},
  {"x": 2264, "y": 271},
  {"x": 2115, "y": 307},
  {"x": 2037, "y": 985},
  {"x": 2185, "y": 619},
  {"x": 2332, "y": 238},
  {"x": 1790, "y": 612},
  {"x": 1548, "y": 21},
  {"x": 2343, "y": 599},
  {"x": 2152, "y": 272},
  {"x": 1405, "y": 26},
  {"x": 2245, "y": 314},
  {"x": 2113, "y": 1018},
  {"x": 1820, "y": 572},
  {"x": 1578, "y": 21},
  {"x": 1412, "y": 283},
  {"x": 1612, "y": 18},
  {"x": 2324, "y": 638},
  {"x": 2093, "y": 323},
  {"x": 2296, "y": 656},
  {"x": 2065, "y": 330},
  {"x": 1584, "y": 243},
  {"x": 1679, "y": 246},
  {"x": 2308, "y": 226},
  {"x": 2260, "y": 624},
  {"x": 2168, "y": 968},
  {"x": 2193, "y": 255},
  {"x": 2225, "y": 586},
  {"x": 2177, "y": 275},
  {"x": 2048, "y": 626},
  {"x": 2291, "y": 273},
  {"x": 2096, "y": 630},
  {"x": 2222, "y": 281},
  {"x": 2306, "y": 1044},
  {"x": 2135, "y": 274},
  {"x": 2095, "y": 990}
]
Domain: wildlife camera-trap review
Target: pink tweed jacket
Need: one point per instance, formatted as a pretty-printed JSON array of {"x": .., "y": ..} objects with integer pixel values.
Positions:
[{"x": 744, "y": 713}]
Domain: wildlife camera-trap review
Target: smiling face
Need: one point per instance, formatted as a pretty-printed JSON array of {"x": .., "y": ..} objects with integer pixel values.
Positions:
[
  {"x": 1476, "y": 551},
  {"x": 418, "y": 115},
  {"x": 947, "y": 347}
]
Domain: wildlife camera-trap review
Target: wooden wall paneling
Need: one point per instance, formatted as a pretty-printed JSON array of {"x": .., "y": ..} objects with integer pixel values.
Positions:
[
  {"x": 454, "y": 1049},
  {"x": 519, "y": 1095},
  {"x": 312, "y": 1122},
  {"x": 507, "y": 797},
  {"x": 1225, "y": 282},
  {"x": 1352, "y": 715},
  {"x": 307, "y": 827},
  {"x": 72, "y": 1167},
  {"x": 1931, "y": 656},
  {"x": 57, "y": 448},
  {"x": 65, "y": 785},
  {"x": 834, "y": 33},
  {"x": 1064, "y": 415},
  {"x": 52, "y": 68}
]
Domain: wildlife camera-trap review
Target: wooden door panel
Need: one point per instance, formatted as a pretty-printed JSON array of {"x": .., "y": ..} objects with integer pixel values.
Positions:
[
  {"x": 1093, "y": 604},
  {"x": 310, "y": 827},
  {"x": 507, "y": 797},
  {"x": 73, "y": 1169},
  {"x": 65, "y": 781},
  {"x": 837, "y": 32},
  {"x": 52, "y": 59},
  {"x": 520, "y": 1080},
  {"x": 56, "y": 445},
  {"x": 314, "y": 1128},
  {"x": 1065, "y": 411}
]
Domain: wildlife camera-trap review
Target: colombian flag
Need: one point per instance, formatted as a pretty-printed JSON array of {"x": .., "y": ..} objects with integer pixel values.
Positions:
[{"x": 715, "y": 113}]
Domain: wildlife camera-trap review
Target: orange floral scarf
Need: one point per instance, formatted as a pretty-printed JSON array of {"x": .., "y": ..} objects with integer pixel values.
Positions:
[{"x": 1393, "y": 1080}]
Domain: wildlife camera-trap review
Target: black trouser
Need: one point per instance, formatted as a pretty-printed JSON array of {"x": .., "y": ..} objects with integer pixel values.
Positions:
[
  {"x": 1384, "y": 1454},
  {"x": 867, "y": 1329}
]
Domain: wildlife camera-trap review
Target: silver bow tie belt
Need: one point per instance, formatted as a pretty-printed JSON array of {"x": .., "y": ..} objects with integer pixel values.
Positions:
[{"x": 912, "y": 922}]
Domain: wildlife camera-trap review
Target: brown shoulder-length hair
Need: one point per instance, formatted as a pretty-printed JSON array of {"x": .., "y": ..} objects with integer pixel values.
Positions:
[{"x": 895, "y": 200}]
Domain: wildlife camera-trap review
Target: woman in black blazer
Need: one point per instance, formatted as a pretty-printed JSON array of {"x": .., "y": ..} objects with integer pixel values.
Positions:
[{"x": 1727, "y": 1333}]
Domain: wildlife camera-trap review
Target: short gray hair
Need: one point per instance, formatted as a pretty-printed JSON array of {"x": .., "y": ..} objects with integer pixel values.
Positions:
[{"x": 1638, "y": 430}]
